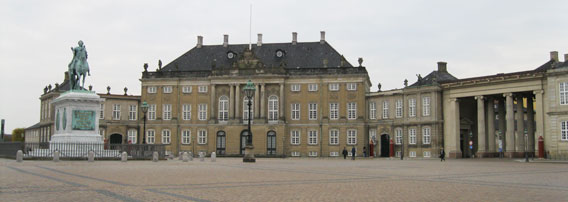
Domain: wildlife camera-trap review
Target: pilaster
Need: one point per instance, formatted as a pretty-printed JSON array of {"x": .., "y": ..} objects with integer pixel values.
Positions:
[{"x": 481, "y": 135}]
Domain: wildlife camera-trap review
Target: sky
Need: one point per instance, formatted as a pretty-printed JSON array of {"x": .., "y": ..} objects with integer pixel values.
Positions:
[{"x": 396, "y": 39}]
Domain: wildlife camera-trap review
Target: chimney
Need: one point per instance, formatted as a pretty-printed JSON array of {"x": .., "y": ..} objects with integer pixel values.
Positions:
[
  {"x": 322, "y": 37},
  {"x": 294, "y": 38},
  {"x": 442, "y": 67},
  {"x": 225, "y": 40},
  {"x": 199, "y": 41},
  {"x": 554, "y": 56},
  {"x": 259, "y": 42}
]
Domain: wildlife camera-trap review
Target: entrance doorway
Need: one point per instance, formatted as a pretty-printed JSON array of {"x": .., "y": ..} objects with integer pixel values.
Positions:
[
  {"x": 221, "y": 142},
  {"x": 385, "y": 145},
  {"x": 271, "y": 143},
  {"x": 116, "y": 139},
  {"x": 244, "y": 135}
]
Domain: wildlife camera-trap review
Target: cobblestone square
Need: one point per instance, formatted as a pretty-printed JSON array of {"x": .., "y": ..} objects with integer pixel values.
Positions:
[{"x": 289, "y": 179}]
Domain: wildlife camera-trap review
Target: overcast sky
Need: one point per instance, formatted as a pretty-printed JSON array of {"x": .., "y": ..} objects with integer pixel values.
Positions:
[{"x": 397, "y": 39}]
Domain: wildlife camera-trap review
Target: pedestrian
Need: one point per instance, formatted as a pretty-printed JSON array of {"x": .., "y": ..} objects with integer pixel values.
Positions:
[
  {"x": 353, "y": 153},
  {"x": 442, "y": 155},
  {"x": 345, "y": 153},
  {"x": 364, "y": 151}
]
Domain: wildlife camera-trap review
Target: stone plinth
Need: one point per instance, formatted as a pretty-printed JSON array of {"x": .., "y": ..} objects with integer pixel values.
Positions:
[
  {"x": 249, "y": 155},
  {"x": 77, "y": 118}
]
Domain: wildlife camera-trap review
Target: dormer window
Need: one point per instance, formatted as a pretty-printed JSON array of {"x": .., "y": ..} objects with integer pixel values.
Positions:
[
  {"x": 279, "y": 53},
  {"x": 231, "y": 55}
]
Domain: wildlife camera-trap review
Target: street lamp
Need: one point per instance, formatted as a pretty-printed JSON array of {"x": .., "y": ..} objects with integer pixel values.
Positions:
[
  {"x": 526, "y": 145},
  {"x": 144, "y": 110},
  {"x": 249, "y": 92}
]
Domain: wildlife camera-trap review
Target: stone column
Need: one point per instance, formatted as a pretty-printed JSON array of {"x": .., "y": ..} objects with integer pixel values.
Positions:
[
  {"x": 231, "y": 102},
  {"x": 262, "y": 101},
  {"x": 539, "y": 113},
  {"x": 256, "y": 101},
  {"x": 238, "y": 100},
  {"x": 452, "y": 136},
  {"x": 213, "y": 102},
  {"x": 501, "y": 136},
  {"x": 281, "y": 102},
  {"x": 481, "y": 126},
  {"x": 530, "y": 124},
  {"x": 520, "y": 135},
  {"x": 510, "y": 132},
  {"x": 491, "y": 125}
]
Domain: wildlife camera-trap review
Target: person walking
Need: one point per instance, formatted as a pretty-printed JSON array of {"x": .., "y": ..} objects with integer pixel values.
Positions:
[
  {"x": 353, "y": 153},
  {"x": 442, "y": 155},
  {"x": 345, "y": 153}
]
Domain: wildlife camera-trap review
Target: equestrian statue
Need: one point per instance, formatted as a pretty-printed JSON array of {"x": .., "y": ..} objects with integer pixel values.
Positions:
[{"x": 78, "y": 67}]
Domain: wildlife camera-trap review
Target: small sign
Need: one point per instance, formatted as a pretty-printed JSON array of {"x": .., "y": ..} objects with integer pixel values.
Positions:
[{"x": 83, "y": 120}]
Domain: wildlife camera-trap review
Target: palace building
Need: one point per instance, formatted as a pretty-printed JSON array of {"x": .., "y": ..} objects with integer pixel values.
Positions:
[{"x": 311, "y": 102}]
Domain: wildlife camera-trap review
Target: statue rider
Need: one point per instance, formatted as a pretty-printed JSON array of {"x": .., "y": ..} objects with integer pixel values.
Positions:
[{"x": 78, "y": 66}]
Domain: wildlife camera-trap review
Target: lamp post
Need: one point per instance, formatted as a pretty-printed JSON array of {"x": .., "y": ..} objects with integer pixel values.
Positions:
[
  {"x": 249, "y": 92},
  {"x": 526, "y": 144},
  {"x": 144, "y": 110}
]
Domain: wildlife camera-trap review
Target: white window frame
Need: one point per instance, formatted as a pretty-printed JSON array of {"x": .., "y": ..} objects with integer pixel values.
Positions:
[
  {"x": 166, "y": 136},
  {"x": 398, "y": 107},
  {"x": 167, "y": 89},
  {"x": 202, "y": 112},
  {"x": 186, "y": 111},
  {"x": 295, "y": 87},
  {"x": 167, "y": 112},
  {"x": 312, "y": 87},
  {"x": 563, "y": 93},
  {"x": 150, "y": 136},
  {"x": 351, "y": 86},
  {"x": 426, "y": 154},
  {"x": 186, "y": 136},
  {"x": 202, "y": 136},
  {"x": 116, "y": 112},
  {"x": 102, "y": 112},
  {"x": 333, "y": 137},
  {"x": 313, "y": 111},
  {"x": 372, "y": 110},
  {"x": 295, "y": 111},
  {"x": 186, "y": 89},
  {"x": 152, "y": 89},
  {"x": 412, "y": 154},
  {"x": 333, "y": 87},
  {"x": 412, "y": 136},
  {"x": 132, "y": 136},
  {"x": 312, "y": 137},
  {"x": 152, "y": 112},
  {"x": 223, "y": 108},
  {"x": 426, "y": 106},
  {"x": 426, "y": 135},
  {"x": 334, "y": 111},
  {"x": 202, "y": 89},
  {"x": 385, "y": 109},
  {"x": 273, "y": 108},
  {"x": 295, "y": 154},
  {"x": 564, "y": 131},
  {"x": 352, "y": 111},
  {"x": 246, "y": 109},
  {"x": 351, "y": 137},
  {"x": 295, "y": 137},
  {"x": 398, "y": 136},
  {"x": 333, "y": 154},
  {"x": 133, "y": 112},
  {"x": 411, "y": 107},
  {"x": 312, "y": 153}
]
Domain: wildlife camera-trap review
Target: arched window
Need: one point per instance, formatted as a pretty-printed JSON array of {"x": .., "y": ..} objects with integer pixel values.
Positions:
[
  {"x": 273, "y": 108},
  {"x": 246, "y": 109},
  {"x": 223, "y": 108}
]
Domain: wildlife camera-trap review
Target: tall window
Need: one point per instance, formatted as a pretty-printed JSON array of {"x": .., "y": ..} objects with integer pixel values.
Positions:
[
  {"x": 167, "y": 111},
  {"x": 312, "y": 87},
  {"x": 398, "y": 106},
  {"x": 167, "y": 89},
  {"x": 102, "y": 112},
  {"x": 132, "y": 112},
  {"x": 564, "y": 131},
  {"x": 333, "y": 111},
  {"x": 412, "y": 107},
  {"x": 313, "y": 111},
  {"x": 202, "y": 137},
  {"x": 186, "y": 112},
  {"x": 223, "y": 108},
  {"x": 295, "y": 111},
  {"x": 186, "y": 89},
  {"x": 563, "y": 89},
  {"x": 246, "y": 109},
  {"x": 372, "y": 110},
  {"x": 333, "y": 136},
  {"x": 351, "y": 137},
  {"x": 132, "y": 136},
  {"x": 152, "y": 89},
  {"x": 295, "y": 87},
  {"x": 351, "y": 110},
  {"x": 333, "y": 87},
  {"x": 150, "y": 136},
  {"x": 116, "y": 112},
  {"x": 186, "y": 137},
  {"x": 351, "y": 86},
  {"x": 202, "y": 89},
  {"x": 312, "y": 137},
  {"x": 385, "y": 109},
  {"x": 426, "y": 106},
  {"x": 273, "y": 108},
  {"x": 152, "y": 112},
  {"x": 295, "y": 137},
  {"x": 412, "y": 136},
  {"x": 426, "y": 135},
  {"x": 398, "y": 136},
  {"x": 202, "y": 112},
  {"x": 166, "y": 136}
]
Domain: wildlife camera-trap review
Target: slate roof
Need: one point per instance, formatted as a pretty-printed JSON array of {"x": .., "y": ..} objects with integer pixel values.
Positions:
[
  {"x": 440, "y": 77},
  {"x": 303, "y": 55}
]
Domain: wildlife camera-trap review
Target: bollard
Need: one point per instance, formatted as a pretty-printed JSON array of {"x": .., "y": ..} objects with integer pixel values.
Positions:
[
  {"x": 170, "y": 156},
  {"x": 56, "y": 156},
  {"x": 213, "y": 157},
  {"x": 91, "y": 156},
  {"x": 201, "y": 156},
  {"x": 191, "y": 156},
  {"x": 124, "y": 157},
  {"x": 180, "y": 155},
  {"x": 185, "y": 157},
  {"x": 155, "y": 156},
  {"x": 19, "y": 156}
]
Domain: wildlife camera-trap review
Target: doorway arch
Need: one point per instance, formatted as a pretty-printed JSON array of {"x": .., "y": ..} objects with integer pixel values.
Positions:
[
  {"x": 116, "y": 138},
  {"x": 221, "y": 142},
  {"x": 385, "y": 145}
]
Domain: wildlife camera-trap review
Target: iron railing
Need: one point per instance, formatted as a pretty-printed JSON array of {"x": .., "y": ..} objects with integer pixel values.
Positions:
[{"x": 81, "y": 150}]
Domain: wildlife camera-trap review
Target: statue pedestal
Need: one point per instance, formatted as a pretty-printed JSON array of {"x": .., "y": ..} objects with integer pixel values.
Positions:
[{"x": 249, "y": 155}]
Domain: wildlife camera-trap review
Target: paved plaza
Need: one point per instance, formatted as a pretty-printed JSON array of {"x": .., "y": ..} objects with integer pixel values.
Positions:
[{"x": 292, "y": 179}]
